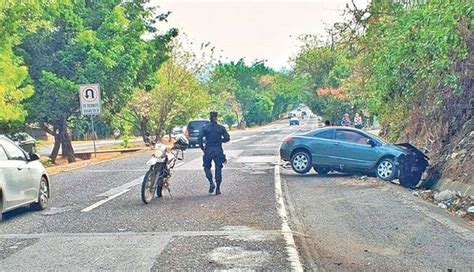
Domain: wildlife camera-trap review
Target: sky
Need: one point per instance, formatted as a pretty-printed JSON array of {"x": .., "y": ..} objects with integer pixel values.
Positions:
[{"x": 253, "y": 29}]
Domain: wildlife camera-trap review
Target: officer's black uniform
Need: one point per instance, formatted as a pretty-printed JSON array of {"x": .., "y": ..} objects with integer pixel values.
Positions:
[{"x": 215, "y": 135}]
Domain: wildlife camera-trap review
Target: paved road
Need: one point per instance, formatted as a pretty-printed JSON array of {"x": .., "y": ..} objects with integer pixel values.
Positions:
[
  {"x": 98, "y": 222},
  {"x": 240, "y": 229}
]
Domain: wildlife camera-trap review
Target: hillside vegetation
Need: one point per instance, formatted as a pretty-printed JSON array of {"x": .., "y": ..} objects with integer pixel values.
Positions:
[{"x": 409, "y": 65}]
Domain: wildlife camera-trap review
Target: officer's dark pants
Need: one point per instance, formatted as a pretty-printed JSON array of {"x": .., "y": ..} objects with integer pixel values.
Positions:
[{"x": 215, "y": 154}]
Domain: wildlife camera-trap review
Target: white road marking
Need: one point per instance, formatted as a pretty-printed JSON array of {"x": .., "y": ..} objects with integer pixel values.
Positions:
[
  {"x": 291, "y": 249},
  {"x": 293, "y": 256},
  {"x": 239, "y": 140},
  {"x": 103, "y": 201},
  {"x": 179, "y": 164}
]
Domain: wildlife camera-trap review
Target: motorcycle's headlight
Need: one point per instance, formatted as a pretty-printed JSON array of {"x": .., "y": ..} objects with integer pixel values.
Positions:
[
  {"x": 160, "y": 150},
  {"x": 158, "y": 153}
]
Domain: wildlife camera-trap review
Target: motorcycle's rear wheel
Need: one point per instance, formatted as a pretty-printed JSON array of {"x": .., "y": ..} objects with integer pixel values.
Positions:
[{"x": 149, "y": 186}]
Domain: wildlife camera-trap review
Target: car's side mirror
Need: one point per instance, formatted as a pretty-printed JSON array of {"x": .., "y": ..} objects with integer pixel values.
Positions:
[
  {"x": 33, "y": 157},
  {"x": 371, "y": 142}
]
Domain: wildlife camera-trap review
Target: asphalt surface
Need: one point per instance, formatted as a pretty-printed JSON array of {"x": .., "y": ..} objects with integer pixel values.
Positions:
[
  {"x": 358, "y": 223},
  {"x": 97, "y": 220},
  {"x": 192, "y": 230}
]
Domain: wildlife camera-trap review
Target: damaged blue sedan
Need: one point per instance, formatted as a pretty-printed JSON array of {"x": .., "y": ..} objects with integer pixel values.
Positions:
[{"x": 350, "y": 150}]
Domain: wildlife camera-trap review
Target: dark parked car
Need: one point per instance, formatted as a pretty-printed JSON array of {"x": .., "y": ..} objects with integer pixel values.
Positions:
[
  {"x": 193, "y": 129},
  {"x": 294, "y": 121},
  {"x": 352, "y": 150}
]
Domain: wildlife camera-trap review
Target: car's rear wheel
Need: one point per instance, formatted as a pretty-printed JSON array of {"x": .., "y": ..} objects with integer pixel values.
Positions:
[
  {"x": 43, "y": 195},
  {"x": 386, "y": 169},
  {"x": 322, "y": 170},
  {"x": 301, "y": 162}
]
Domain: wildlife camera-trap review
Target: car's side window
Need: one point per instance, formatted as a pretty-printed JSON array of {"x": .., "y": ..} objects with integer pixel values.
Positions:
[
  {"x": 3, "y": 155},
  {"x": 328, "y": 134},
  {"x": 351, "y": 137},
  {"x": 14, "y": 152}
]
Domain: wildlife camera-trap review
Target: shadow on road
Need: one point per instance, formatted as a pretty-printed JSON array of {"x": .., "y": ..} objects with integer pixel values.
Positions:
[{"x": 17, "y": 213}]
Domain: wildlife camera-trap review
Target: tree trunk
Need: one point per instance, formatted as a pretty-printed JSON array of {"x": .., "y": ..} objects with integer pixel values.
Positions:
[
  {"x": 143, "y": 129},
  {"x": 57, "y": 144},
  {"x": 65, "y": 139}
]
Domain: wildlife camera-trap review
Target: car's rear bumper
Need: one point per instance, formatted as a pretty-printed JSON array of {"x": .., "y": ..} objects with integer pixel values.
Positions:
[{"x": 193, "y": 140}]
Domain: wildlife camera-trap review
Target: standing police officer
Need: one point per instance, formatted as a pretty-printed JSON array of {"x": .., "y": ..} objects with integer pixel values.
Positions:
[{"x": 215, "y": 135}]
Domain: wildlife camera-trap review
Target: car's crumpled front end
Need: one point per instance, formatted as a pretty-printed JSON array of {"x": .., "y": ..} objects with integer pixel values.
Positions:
[{"x": 411, "y": 165}]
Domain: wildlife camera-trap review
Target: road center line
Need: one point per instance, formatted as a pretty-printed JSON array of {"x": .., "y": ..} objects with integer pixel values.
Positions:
[
  {"x": 241, "y": 139},
  {"x": 103, "y": 201}
]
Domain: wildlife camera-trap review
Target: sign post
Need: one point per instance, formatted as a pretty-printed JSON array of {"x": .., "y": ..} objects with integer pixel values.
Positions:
[{"x": 89, "y": 95}]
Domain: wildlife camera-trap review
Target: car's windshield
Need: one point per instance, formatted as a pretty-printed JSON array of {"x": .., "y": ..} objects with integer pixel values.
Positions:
[
  {"x": 378, "y": 138},
  {"x": 195, "y": 125}
]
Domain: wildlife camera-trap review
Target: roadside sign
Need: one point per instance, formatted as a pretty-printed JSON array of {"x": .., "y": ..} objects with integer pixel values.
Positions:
[{"x": 89, "y": 95}]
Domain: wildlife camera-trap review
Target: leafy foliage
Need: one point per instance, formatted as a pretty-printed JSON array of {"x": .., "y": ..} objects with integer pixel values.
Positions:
[
  {"x": 16, "y": 19},
  {"x": 89, "y": 42},
  {"x": 401, "y": 62},
  {"x": 253, "y": 93}
]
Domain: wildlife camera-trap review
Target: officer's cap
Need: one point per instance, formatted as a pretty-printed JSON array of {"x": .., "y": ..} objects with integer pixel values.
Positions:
[{"x": 213, "y": 114}]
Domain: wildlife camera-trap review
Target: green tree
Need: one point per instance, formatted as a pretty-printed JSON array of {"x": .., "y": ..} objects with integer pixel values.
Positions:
[
  {"x": 16, "y": 20},
  {"x": 90, "y": 42},
  {"x": 178, "y": 97}
]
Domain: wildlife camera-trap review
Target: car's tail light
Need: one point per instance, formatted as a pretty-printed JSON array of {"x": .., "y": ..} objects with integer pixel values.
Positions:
[{"x": 287, "y": 139}]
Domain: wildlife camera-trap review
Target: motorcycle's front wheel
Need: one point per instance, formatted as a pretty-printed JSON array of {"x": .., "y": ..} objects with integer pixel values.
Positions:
[{"x": 149, "y": 186}]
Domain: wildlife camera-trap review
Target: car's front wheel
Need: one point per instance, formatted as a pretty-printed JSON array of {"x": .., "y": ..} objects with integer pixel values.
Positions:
[
  {"x": 386, "y": 169},
  {"x": 301, "y": 162},
  {"x": 43, "y": 195}
]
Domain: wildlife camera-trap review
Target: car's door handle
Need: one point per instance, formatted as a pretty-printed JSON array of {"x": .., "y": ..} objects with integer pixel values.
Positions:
[
  {"x": 19, "y": 168},
  {"x": 336, "y": 144}
]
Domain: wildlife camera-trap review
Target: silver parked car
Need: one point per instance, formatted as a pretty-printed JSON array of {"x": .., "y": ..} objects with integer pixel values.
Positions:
[{"x": 23, "y": 179}]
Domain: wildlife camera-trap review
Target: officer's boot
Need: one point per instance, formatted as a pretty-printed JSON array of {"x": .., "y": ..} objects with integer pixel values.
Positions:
[{"x": 212, "y": 186}]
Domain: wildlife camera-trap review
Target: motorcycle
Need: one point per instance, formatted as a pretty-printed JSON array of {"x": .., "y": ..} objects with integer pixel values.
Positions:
[{"x": 161, "y": 163}]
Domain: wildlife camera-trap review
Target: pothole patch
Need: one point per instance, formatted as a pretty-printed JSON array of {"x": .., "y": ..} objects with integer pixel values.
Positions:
[{"x": 237, "y": 257}]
